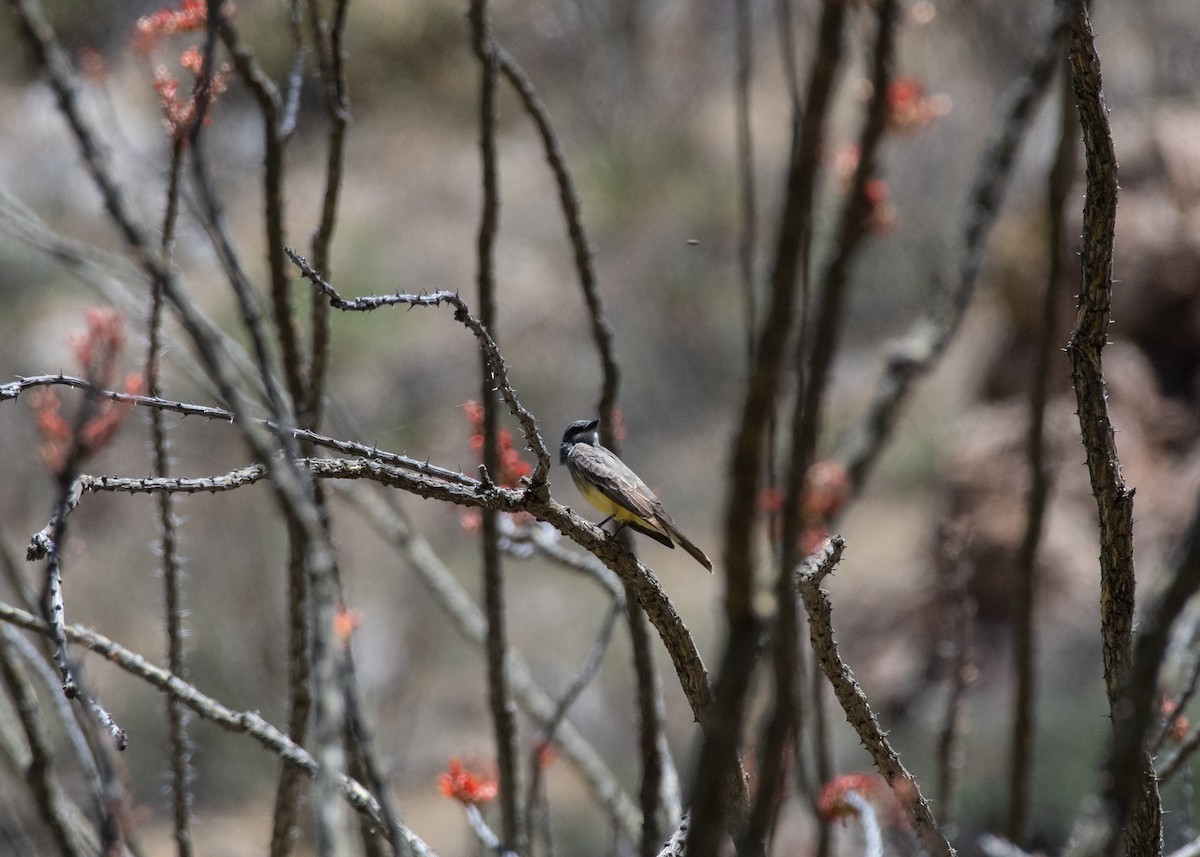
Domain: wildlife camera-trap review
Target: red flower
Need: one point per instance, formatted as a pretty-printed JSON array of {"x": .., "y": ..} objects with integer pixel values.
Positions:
[
  {"x": 98, "y": 351},
  {"x": 833, "y": 804},
  {"x": 466, "y": 786},
  {"x": 346, "y": 620},
  {"x": 812, "y": 538},
  {"x": 1176, "y": 721},
  {"x": 512, "y": 467},
  {"x": 881, "y": 212},
  {"x": 546, "y": 755},
  {"x": 827, "y": 488},
  {"x": 191, "y": 16},
  {"x": 909, "y": 109},
  {"x": 472, "y": 521},
  {"x": 770, "y": 500}
]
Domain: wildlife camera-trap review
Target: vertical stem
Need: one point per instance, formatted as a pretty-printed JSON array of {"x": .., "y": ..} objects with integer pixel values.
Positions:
[
  {"x": 168, "y": 536},
  {"x": 1024, "y": 731},
  {"x": 499, "y": 697},
  {"x": 1138, "y": 816},
  {"x": 748, "y": 231},
  {"x": 650, "y": 714}
]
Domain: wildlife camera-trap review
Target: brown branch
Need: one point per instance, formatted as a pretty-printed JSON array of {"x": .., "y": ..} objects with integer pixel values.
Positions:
[
  {"x": 327, "y": 42},
  {"x": 242, "y": 722},
  {"x": 1135, "y": 794},
  {"x": 854, "y": 701},
  {"x": 716, "y": 798},
  {"x": 744, "y": 139},
  {"x": 959, "y": 611},
  {"x": 1024, "y": 727},
  {"x": 602, "y": 335},
  {"x": 168, "y": 536},
  {"x": 470, "y": 623},
  {"x": 39, "y": 773},
  {"x": 929, "y": 336},
  {"x": 513, "y": 832},
  {"x": 491, "y": 351},
  {"x": 273, "y": 111}
]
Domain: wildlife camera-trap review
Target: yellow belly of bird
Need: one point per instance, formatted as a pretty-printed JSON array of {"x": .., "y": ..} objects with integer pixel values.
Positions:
[{"x": 602, "y": 502}]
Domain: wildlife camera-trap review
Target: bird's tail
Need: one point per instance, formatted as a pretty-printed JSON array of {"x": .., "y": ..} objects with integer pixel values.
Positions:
[
  {"x": 647, "y": 531},
  {"x": 685, "y": 543}
]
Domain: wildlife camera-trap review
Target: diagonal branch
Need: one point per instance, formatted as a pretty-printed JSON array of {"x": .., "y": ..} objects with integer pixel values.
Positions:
[
  {"x": 491, "y": 351},
  {"x": 244, "y": 722},
  {"x": 854, "y": 701}
]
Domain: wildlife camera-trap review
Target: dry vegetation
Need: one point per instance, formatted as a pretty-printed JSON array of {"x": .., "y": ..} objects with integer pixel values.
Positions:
[{"x": 816, "y": 266}]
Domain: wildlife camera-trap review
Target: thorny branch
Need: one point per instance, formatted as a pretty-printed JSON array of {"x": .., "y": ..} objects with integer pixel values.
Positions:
[
  {"x": 246, "y": 722},
  {"x": 854, "y": 701},
  {"x": 1133, "y": 791},
  {"x": 462, "y": 314}
]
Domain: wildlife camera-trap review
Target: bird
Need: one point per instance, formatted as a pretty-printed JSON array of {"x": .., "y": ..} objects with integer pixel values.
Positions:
[{"x": 612, "y": 487}]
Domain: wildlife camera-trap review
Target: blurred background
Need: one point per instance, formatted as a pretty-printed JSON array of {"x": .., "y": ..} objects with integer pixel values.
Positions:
[{"x": 642, "y": 94}]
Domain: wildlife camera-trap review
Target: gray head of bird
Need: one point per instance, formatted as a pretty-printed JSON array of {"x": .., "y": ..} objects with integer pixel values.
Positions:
[{"x": 580, "y": 431}]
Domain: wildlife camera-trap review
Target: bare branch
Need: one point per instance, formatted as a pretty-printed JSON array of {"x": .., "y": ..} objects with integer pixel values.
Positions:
[
  {"x": 40, "y": 771},
  {"x": 488, "y": 345},
  {"x": 854, "y": 701},
  {"x": 928, "y": 337},
  {"x": 244, "y": 722}
]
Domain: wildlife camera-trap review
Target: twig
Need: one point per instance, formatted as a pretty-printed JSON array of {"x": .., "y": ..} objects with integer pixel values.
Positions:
[
  {"x": 467, "y": 619},
  {"x": 651, "y": 742},
  {"x": 548, "y": 729},
  {"x": 1133, "y": 790},
  {"x": 462, "y": 314},
  {"x": 500, "y": 703},
  {"x": 1024, "y": 727},
  {"x": 244, "y": 722},
  {"x": 928, "y": 337},
  {"x": 602, "y": 335},
  {"x": 40, "y": 771},
  {"x": 676, "y": 844},
  {"x": 1175, "y": 762},
  {"x": 275, "y": 119},
  {"x": 362, "y": 745},
  {"x": 960, "y": 610},
  {"x": 15, "y": 388},
  {"x": 748, "y": 226},
  {"x": 854, "y": 701},
  {"x": 327, "y": 42},
  {"x": 167, "y": 533},
  {"x": 291, "y": 99}
]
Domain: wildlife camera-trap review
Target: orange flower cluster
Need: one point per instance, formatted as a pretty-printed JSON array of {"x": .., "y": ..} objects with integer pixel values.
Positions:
[
  {"x": 179, "y": 112},
  {"x": 97, "y": 352},
  {"x": 512, "y": 468},
  {"x": 833, "y": 804},
  {"x": 467, "y": 786},
  {"x": 191, "y": 16},
  {"x": 1177, "y": 722},
  {"x": 909, "y": 109},
  {"x": 881, "y": 212},
  {"x": 346, "y": 620},
  {"x": 826, "y": 490}
]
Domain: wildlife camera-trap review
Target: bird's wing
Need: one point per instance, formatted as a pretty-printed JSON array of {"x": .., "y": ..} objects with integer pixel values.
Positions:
[{"x": 612, "y": 478}]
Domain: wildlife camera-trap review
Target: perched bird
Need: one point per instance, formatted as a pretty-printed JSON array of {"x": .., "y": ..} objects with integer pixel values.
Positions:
[{"x": 608, "y": 484}]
